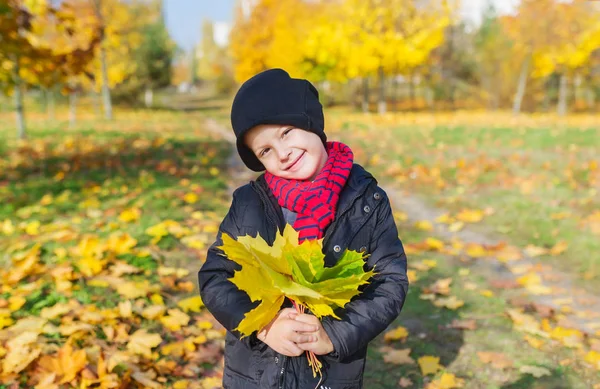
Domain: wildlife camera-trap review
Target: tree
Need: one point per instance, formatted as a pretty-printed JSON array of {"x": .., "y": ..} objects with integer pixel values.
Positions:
[{"x": 154, "y": 58}]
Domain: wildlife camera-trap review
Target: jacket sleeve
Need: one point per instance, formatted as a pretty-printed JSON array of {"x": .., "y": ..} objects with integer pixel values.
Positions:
[
  {"x": 372, "y": 311},
  {"x": 224, "y": 300}
]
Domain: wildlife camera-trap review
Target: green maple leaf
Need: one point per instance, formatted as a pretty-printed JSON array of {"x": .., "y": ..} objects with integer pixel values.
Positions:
[{"x": 292, "y": 270}]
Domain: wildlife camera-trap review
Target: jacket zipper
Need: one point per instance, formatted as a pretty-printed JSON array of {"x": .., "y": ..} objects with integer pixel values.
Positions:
[
  {"x": 282, "y": 371},
  {"x": 268, "y": 204}
]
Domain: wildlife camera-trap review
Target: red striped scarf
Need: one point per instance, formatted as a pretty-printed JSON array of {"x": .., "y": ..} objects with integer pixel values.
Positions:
[{"x": 315, "y": 202}]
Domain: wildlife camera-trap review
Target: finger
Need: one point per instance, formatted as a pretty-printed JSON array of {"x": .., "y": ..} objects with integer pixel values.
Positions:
[
  {"x": 292, "y": 348},
  {"x": 298, "y": 337},
  {"x": 310, "y": 346},
  {"x": 287, "y": 311},
  {"x": 309, "y": 319},
  {"x": 299, "y": 326}
]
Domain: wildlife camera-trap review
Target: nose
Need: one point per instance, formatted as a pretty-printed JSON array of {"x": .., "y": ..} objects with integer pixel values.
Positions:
[{"x": 284, "y": 153}]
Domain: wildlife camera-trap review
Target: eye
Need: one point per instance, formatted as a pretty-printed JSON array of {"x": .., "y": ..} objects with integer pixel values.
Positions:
[
  {"x": 286, "y": 131},
  {"x": 264, "y": 151}
]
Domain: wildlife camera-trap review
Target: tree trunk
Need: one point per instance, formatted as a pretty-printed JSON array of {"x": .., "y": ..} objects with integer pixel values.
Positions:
[
  {"x": 395, "y": 93},
  {"x": 381, "y": 104},
  {"x": 50, "y": 104},
  {"x": 105, "y": 89},
  {"x": 562, "y": 95},
  {"x": 365, "y": 100},
  {"x": 149, "y": 97},
  {"x": 411, "y": 92},
  {"x": 19, "y": 107},
  {"x": 590, "y": 95},
  {"x": 518, "y": 100},
  {"x": 72, "y": 108}
]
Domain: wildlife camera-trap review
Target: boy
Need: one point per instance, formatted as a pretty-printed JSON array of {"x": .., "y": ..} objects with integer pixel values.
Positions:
[{"x": 313, "y": 185}]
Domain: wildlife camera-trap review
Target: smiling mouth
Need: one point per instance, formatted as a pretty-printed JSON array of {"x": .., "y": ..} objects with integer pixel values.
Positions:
[{"x": 295, "y": 162}]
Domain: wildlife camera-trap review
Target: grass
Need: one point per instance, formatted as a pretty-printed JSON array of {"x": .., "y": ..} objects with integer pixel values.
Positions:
[
  {"x": 65, "y": 184},
  {"x": 430, "y": 334},
  {"x": 527, "y": 170}
]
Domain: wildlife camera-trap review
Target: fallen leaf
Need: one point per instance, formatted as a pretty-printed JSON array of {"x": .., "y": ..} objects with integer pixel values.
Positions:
[
  {"x": 451, "y": 302},
  {"x": 146, "y": 378},
  {"x": 429, "y": 364},
  {"x": 141, "y": 342},
  {"x": 398, "y": 333},
  {"x": 497, "y": 360},
  {"x": 193, "y": 304},
  {"x": 536, "y": 371},
  {"x": 535, "y": 251},
  {"x": 396, "y": 357},
  {"x": 446, "y": 381},
  {"x": 405, "y": 382},
  {"x": 559, "y": 248},
  {"x": 463, "y": 324},
  {"x": 593, "y": 358},
  {"x": 424, "y": 225},
  {"x": 470, "y": 216}
]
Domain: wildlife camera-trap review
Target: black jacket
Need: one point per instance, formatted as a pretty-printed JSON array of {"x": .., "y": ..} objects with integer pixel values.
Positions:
[{"x": 363, "y": 221}]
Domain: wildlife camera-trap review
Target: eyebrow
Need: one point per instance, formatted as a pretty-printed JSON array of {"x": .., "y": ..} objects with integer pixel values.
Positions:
[{"x": 281, "y": 129}]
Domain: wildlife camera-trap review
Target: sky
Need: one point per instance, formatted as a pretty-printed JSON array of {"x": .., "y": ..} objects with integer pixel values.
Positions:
[{"x": 184, "y": 17}]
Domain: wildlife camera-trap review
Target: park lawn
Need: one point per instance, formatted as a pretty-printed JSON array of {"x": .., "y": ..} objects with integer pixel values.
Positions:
[
  {"x": 102, "y": 230},
  {"x": 535, "y": 179},
  {"x": 507, "y": 347}
]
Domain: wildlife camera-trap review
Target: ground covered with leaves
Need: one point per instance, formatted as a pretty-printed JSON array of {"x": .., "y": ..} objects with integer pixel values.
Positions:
[{"x": 103, "y": 227}]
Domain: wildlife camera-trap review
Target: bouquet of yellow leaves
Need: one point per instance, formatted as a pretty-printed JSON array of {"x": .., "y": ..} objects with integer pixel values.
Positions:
[{"x": 292, "y": 270}]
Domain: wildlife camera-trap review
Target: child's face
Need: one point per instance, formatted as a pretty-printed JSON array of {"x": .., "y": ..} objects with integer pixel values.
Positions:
[{"x": 286, "y": 151}]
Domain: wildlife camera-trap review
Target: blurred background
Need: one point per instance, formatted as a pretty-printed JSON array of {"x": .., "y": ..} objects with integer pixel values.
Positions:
[{"x": 480, "y": 119}]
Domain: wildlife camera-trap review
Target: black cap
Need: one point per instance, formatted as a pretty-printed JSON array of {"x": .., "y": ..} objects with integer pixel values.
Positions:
[{"x": 273, "y": 97}]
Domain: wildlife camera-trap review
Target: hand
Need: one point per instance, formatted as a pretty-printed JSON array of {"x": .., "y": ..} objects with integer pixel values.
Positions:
[
  {"x": 322, "y": 345},
  {"x": 283, "y": 333}
]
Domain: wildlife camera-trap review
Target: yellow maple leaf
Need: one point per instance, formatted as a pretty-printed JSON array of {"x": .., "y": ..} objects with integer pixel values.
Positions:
[
  {"x": 296, "y": 271},
  {"x": 398, "y": 333},
  {"x": 175, "y": 320},
  {"x": 470, "y": 215},
  {"x": 90, "y": 246},
  {"x": 434, "y": 244},
  {"x": 120, "y": 243},
  {"x": 56, "y": 310},
  {"x": 90, "y": 266},
  {"x": 141, "y": 342},
  {"x": 593, "y": 358},
  {"x": 154, "y": 311},
  {"x": 429, "y": 364},
  {"x": 146, "y": 378},
  {"x": 396, "y": 357},
  {"x": 449, "y": 302},
  {"x": 476, "y": 250},
  {"x": 446, "y": 381},
  {"x": 133, "y": 290},
  {"x": 157, "y": 299},
  {"x": 559, "y": 248},
  {"x": 130, "y": 215},
  {"x": 190, "y": 198},
  {"x": 535, "y": 251},
  {"x": 424, "y": 225},
  {"x": 33, "y": 227},
  {"x": 181, "y": 384},
  {"x": 21, "y": 351},
  {"x": 66, "y": 363},
  {"x": 16, "y": 302},
  {"x": 193, "y": 304}
]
